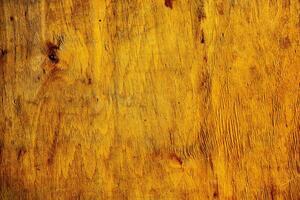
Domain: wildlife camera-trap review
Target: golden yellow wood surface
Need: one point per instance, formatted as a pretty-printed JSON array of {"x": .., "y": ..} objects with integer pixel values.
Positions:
[{"x": 149, "y": 99}]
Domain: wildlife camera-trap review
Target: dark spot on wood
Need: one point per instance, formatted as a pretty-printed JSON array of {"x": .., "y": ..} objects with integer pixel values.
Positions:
[
  {"x": 205, "y": 81},
  {"x": 52, "y": 52},
  {"x": 37, "y": 166},
  {"x": 202, "y": 37},
  {"x": 216, "y": 194},
  {"x": 255, "y": 74},
  {"x": 285, "y": 42},
  {"x": 89, "y": 81},
  {"x": 201, "y": 14},
  {"x": 176, "y": 158},
  {"x": 17, "y": 105},
  {"x": 3, "y": 52},
  {"x": 100, "y": 20},
  {"x": 205, "y": 58},
  {"x": 286, "y": 4},
  {"x": 52, "y": 47},
  {"x": 220, "y": 9},
  {"x": 202, "y": 40},
  {"x": 53, "y": 58},
  {"x": 1, "y": 150},
  {"x": 54, "y": 145},
  {"x": 11, "y": 18},
  {"x": 52, "y": 153},
  {"x": 272, "y": 191},
  {"x": 210, "y": 161},
  {"x": 169, "y": 3},
  {"x": 216, "y": 191},
  {"x": 21, "y": 152}
]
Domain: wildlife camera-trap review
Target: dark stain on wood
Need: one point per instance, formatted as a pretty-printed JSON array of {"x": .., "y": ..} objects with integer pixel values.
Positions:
[
  {"x": 53, "y": 149},
  {"x": 52, "y": 52},
  {"x": 90, "y": 81},
  {"x": 17, "y": 105},
  {"x": 201, "y": 14},
  {"x": 54, "y": 145},
  {"x": 176, "y": 158},
  {"x": 216, "y": 194},
  {"x": 272, "y": 191},
  {"x": 169, "y": 3},
  {"x": 202, "y": 40},
  {"x": 1, "y": 150},
  {"x": 3, "y": 52},
  {"x": 21, "y": 152},
  {"x": 202, "y": 37},
  {"x": 53, "y": 58},
  {"x": 286, "y": 4},
  {"x": 284, "y": 42},
  {"x": 220, "y": 9},
  {"x": 205, "y": 81}
]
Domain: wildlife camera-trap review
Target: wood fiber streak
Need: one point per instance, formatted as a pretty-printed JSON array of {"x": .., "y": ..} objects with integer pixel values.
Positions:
[{"x": 144, "y": 99}]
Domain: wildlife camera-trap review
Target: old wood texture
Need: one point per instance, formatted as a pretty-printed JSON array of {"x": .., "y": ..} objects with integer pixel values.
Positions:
[{"x": 149, "y": 99}]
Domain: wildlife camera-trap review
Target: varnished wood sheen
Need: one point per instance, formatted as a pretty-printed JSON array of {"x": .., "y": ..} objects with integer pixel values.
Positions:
[{"x": 149, "y": 99}]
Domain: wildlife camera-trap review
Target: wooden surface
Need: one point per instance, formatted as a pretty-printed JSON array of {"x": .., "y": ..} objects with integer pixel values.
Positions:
[{"x": 149, "y": 99}]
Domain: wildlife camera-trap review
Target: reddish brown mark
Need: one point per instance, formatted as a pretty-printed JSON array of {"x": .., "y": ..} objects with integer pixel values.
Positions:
[
  {"x": 21, "y": 152},
  {"x": 169, "y": 3},
  {"x": 176, "y": 158},
  {"x": 285, "y": 42},
  {"x": 53, "y": 148}
]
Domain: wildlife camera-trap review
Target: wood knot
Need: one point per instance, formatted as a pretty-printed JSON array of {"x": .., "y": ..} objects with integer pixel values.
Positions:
[
  {"x": 169, "y": 3},
  {"x": 52, "y": 52},
  {"x": 53, "y": 58}
]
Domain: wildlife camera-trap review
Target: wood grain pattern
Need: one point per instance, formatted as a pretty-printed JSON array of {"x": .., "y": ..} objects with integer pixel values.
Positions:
[{"x": 144, "y": 99}]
